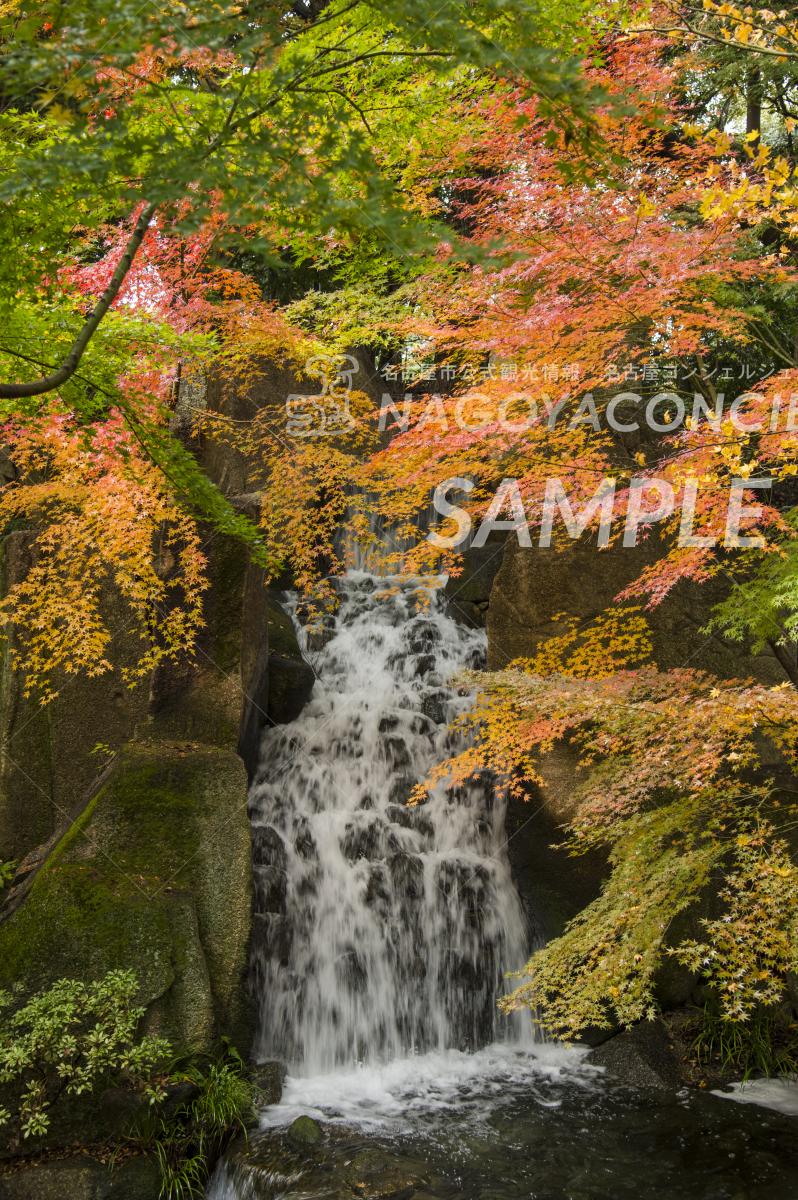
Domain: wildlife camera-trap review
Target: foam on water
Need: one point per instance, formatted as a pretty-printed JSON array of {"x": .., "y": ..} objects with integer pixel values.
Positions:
[
  {"x": 397, "y": 1096},
  {"x": 779, "y": 1094}
]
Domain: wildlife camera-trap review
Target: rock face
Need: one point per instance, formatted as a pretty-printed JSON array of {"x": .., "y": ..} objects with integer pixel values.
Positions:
[
  {"x": 47, "y": 768},
  {"x": 126, "y": 808},
  {"x": 127, "y": 812},
  {"x": 154, "y": 875},
  {"x": 468, "y": 594},
  {"x": 534, "y": 585},
  {"x": 530, "y": 589},
  {"x": 83, "y": 1179}
]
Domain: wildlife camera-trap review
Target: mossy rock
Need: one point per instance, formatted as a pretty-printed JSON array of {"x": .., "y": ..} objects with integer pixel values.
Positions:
[
  {"x": 155, "y": 876},
  {"x": 82, "y": 1179}
]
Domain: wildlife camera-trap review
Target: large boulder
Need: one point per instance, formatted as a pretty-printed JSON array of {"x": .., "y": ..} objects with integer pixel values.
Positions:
[
  {"x": 155, "y": 875},
  {"x": 641, "y": 1057},
  {"x": 533, "y": 586}
]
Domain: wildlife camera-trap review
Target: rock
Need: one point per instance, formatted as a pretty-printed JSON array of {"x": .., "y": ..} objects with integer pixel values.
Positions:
[
  {"x": 48, "y": 770},
  {"x": 641, "y": 1057},
  {"x": 434, "y": 705},
  {"x": 291, "y": 679},
  {"x": 267, "y": 1079},
  {"x": 468, "y": 593},
  {"x": 83, "y": 1179},
  {"x": 156, "y": 876},
  {"x": 305, "y": 1132},
  {"x": 534, "y": 585}
]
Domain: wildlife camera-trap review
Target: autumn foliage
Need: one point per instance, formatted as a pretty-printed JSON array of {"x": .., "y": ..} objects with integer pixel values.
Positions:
[{"x": 553, "y": 217}]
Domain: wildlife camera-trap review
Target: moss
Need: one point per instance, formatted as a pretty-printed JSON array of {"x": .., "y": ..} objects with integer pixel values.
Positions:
[{"x": 155, "y": 875}]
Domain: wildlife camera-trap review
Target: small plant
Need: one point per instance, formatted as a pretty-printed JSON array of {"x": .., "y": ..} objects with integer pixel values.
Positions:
[
  {"x": 766, "y": 1044},
  {"x": 7, "y": 872},
  {"x": 188, "y": 1139},
  {"x": 71, "y": 1039}
]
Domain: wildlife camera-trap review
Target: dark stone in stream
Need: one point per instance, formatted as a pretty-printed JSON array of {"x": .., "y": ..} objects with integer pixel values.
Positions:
[
  {"x": 421, "y": 637},
  {"x": 268, "y": 849},
  {"x": 269, "y": 889},
  {"x": 400, "y": 789},
  {"x": 396, "y": 752},
  {"x": 367, "y": 841},
  {"x": 434, "y": 705},
  {"x": 304, "y": 843},
  {"x": 330, "y": 1163},
  {"x": 424, "y": 664},
  {"x": 271, "y": 936},
  {"x": 305, "y": 1132},
  {"x": 641, "y": 1057},
  {"x": 410, "y": 818},
  {"x": 408, "y": 875}
]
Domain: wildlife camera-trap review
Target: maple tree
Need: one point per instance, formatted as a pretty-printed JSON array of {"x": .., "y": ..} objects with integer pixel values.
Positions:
[
  {"x": 441, "y": 187},
  {"x": 145, "y": 154}
]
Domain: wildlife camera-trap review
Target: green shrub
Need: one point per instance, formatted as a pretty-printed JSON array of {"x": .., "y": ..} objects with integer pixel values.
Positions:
[
  {"x": 187, "y": 1139},
  {"x": 70, "y": 1040},
  {"x": 766, "y": 1044}
]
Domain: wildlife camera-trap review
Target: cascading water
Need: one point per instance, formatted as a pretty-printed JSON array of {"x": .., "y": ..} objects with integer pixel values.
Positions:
[
  {"x": 380, "y": 930},
  {"x": 381, "y": 937}
]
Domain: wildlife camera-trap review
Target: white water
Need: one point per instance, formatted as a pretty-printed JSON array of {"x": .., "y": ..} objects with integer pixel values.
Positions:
[
  {"x": 398, "y": 1096},
  {"x": 381, "y": 932},
  {"x": 779, "y": 1094}
]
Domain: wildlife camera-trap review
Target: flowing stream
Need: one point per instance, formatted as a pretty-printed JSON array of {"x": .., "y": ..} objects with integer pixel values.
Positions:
[{"x": 382, "y": 935}]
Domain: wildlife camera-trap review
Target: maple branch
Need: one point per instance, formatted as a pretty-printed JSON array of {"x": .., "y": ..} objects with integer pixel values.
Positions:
[
  {"x": 48, "y": 383},
  {"x": 702, "y": 35}
]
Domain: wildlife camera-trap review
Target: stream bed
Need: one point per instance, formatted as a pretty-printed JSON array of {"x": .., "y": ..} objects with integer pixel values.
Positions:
[{"x": 506, "y": 1124}]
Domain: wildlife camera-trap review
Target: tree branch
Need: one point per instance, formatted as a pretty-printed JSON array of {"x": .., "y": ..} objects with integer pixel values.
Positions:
[{"x": 48, "y": 383}]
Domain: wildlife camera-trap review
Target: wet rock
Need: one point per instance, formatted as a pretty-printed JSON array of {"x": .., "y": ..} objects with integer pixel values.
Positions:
[
  {"x": 268, "y": 849},
  {"x": 400, "y": 790},
  {"x": 407, "y": 873},
  {"x": 641, "y": 1057},
  {"x": 351, "y": 971},
  {"x": 271, "y": 935},
  {"x": 424, "y": 664},
  {"x": 305, "y": 1132},
  {"x": 396, "y": 752},
  {"x": 410, "y": 818},
  {"x": 364, "y": 841},
  {"x": 270, "y": 889},
  {"x": 303, "y": 842},
  {"x": 421, "y": 637},
  {"x": 434, "y": 706},
  {"x": 467, "y": 613},
  {"x": 377, "y": 889},
  {"x": 475, "y": 659},
  {"x": 267, "y": 1079}
]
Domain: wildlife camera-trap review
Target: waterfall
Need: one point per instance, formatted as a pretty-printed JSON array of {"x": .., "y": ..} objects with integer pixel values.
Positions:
[{"x": 379, "y": 930}]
